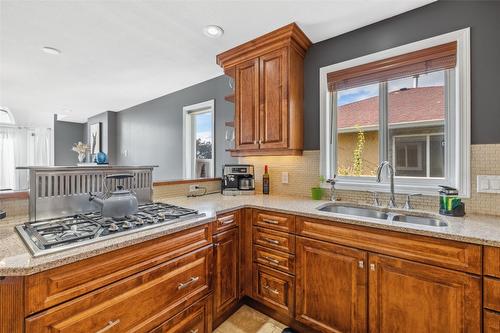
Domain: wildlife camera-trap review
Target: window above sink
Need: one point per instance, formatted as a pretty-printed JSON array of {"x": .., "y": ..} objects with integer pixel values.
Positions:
[{"x": 409, "y": 105}]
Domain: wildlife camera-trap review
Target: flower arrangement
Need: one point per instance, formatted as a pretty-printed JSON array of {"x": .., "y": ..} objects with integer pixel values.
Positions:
[{"x": 81, "y": 149}]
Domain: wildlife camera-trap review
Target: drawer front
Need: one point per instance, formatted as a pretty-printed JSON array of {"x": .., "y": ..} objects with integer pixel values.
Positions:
[
  {"x": 227, "y": 221},
  {"x": 272, "y": 220},
  {"x": 274, "y": 289},
  {"x": 138, "y": 303},
  {"x": 492, "y": 261},
  {"x": 274, "y": 239},
  {"x": 491, "y": 289},
  {"x": 60, "y": 284},
  {"x": 195, "y": 319},
  {"x": 439, "y": 252},
  {"x": 491, "y": 322},
  {"x": 275, "y": 259}
]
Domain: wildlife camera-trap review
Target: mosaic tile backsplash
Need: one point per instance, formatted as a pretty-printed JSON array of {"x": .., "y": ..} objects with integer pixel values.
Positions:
[{"x": 303, "y": 173}]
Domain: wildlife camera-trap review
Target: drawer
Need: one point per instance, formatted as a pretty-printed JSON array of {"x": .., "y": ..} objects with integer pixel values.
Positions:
[
  {"x": 492, "y": 261},
  {"x": 491, "y": 297},
  {"x": 274, "y": 289},
  {"x": 491, "y": 322},
  {"x": 227, "y": 220},
  {"x": 195, "y": 319},
  {"x": 54, "y": 286},
  {"x": 137, "y": 303},
  {"x": 272, "y": 220},
  {"x": 279, "y": 260},
  {"x": 274, "y": 239},
  {"x": 439, "y": 252}
]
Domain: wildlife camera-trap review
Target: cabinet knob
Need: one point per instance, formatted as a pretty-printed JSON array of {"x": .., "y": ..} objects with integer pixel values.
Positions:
[
  {"x": 361, "y": 264},
  {"x": 372, "y": 267},
  {"x": 109, "y": 326}
]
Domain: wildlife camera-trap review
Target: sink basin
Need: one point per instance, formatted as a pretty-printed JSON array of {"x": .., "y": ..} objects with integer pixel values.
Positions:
[
  {"x": 430, "y": 221},
  {"x": 352, "y": 210},
  {"x": 379, "y": 214}
]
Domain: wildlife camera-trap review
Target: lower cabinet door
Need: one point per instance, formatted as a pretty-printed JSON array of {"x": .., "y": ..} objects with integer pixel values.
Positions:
[
  {"x": 491, "y": 322},
  {"x": 138, "y": 303},
  {"x": 195, "y": 319},
  {"x": 331, "y": 281},
  {"x": 410, "y": 297},
  {"x": 226, "y": 254}
]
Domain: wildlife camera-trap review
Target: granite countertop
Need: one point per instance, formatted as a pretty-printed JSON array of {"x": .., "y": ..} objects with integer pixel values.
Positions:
[{"x": 15, "y": 258}]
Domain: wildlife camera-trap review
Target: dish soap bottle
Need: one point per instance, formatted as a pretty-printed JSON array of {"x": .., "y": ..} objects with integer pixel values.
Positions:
[{"x": 265, "y": 181}]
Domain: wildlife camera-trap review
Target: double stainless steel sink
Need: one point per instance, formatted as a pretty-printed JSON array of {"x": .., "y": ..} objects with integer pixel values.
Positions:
[{"x": 382, "y": 214}]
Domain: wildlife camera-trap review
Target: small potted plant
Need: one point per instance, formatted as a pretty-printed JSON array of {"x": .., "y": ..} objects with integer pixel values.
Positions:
[{"x": 317, "y": 191}]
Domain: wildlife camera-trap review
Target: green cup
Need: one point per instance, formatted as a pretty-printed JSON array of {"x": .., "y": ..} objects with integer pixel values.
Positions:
[{"x": 316, "y": 193}]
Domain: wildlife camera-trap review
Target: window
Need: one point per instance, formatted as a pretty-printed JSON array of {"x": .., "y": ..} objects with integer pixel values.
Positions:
[
  {"x": 409, "y": 105},
  {"x": 199, "y": 140},
  {"x": 6, "y": 116}
]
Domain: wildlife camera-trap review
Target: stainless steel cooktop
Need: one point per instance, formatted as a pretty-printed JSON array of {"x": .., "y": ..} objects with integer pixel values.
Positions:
[{"x": 58, "y": 234}]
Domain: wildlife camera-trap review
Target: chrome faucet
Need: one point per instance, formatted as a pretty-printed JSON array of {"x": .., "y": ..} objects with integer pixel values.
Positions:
[
  {"x": 332, "y": 181},
  {"x": 392, "y": 199}
]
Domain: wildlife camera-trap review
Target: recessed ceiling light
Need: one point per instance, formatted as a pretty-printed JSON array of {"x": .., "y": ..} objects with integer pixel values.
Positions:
[
  {"x": 213, "y": 31},
  {"x": 51, "y": 50}
]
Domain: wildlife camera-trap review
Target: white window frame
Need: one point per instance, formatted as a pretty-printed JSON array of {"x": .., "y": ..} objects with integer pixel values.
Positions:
[
  {"x": 10, "y": 115},
  {"x": 457, "y": 168},
  {"x": 188, "y": 148}
]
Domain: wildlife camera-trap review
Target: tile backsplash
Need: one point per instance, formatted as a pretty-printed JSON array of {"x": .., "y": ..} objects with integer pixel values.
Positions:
[{"x": 303, "y": 173}]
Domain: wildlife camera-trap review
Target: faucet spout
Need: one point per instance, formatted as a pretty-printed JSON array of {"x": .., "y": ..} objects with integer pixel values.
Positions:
[{"x": 392, "y": 200}]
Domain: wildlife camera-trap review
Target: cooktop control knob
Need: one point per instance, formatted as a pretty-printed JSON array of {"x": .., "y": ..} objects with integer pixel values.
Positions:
[
  {"x": 139, "y": 222},
  {"x": 113, "y": 227},
  {"x": 127, "y": 225}
]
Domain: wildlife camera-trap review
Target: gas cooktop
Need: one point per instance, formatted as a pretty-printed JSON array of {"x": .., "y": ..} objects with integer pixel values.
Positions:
[{"x": 58, "y": 234}]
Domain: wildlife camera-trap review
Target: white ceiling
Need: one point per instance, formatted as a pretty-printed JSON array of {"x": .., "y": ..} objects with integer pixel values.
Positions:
[{"x": 116, "y": 54}]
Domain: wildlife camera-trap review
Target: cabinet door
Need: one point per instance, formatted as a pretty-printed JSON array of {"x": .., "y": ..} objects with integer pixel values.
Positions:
[
  {"x": 226, "y": 271},
  {"x": 247, "y": 105},
  {"x": 331, "y": 283},
  {"x": 409, "y": 297},
  {"x": 274, "y": 100}
]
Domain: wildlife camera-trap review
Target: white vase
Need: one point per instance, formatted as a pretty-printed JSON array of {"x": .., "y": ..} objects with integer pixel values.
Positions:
[{"x": 81, "y": 158}]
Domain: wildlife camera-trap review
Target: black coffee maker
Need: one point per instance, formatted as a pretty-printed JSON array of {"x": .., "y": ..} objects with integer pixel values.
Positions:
[{"x": 238, "y": 179}]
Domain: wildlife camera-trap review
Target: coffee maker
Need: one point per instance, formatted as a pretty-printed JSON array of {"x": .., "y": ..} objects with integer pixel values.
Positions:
[{"x": 238, "y": 179}]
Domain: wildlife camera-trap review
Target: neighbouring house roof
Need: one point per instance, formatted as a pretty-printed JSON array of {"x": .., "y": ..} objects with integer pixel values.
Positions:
[{"x": 405, "y": 106}]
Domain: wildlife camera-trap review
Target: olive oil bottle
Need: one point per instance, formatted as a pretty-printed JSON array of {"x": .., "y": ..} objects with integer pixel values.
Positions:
[{"x": 265, "y": 181}]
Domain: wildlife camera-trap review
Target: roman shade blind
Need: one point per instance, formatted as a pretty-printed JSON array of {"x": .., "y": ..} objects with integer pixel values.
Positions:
[{"x": 419, "y": 62}]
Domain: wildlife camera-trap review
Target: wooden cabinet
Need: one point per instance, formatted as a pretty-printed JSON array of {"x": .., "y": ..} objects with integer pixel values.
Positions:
[
  {"x": 226, "y": 253},
  {"x": 491, "y": 322},
  {"x": 269, "y": 84},
  {"x": 227, "y": 221},
  {"x": 195, "y": 319},
  {"x": 138, "y": 303},
  {"x": 247, "y": 115},
  {"x": 405, "y": 296},
  {"x": 273, "y": 289},
  {"x": 331, "y": 286}
]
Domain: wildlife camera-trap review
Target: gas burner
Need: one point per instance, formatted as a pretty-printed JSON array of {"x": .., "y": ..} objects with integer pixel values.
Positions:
[{"x": 52, "y": 235}]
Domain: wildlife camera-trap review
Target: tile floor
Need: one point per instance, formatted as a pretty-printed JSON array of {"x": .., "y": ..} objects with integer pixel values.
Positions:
[{"x": 248, "y": 320}]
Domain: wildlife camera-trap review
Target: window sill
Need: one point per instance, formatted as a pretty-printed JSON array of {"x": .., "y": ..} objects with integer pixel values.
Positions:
[{"x": 371, "y": 186}]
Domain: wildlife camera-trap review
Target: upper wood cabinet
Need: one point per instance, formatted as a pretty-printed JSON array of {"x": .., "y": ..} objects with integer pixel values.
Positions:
[{"x": 269, "y": 83}]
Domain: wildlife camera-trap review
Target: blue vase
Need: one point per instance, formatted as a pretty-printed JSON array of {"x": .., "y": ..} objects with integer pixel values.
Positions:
[{"x": 101, "y": 158}]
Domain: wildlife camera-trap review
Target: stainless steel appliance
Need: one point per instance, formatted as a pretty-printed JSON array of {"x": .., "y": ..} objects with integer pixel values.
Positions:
[
  {"x": 116, "y": 203},
  {"x": 58, "y": 234},
  {"x": 238, "y": 179}
]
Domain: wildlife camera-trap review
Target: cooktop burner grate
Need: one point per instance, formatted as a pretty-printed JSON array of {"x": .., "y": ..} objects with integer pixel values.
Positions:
[{"x": 51, "y": 235}]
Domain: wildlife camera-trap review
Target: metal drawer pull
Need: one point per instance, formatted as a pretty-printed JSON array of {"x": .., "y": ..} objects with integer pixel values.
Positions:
[
  {"x": 194, "y": 331},
  {"x": 110, "y": 325},
  {"x": 274, "y": 291},
  {"x": 272, "y": 241},
  {"x": 227, "y": 222},
  {"x": 361, "y": 264},
  {"x": 185, "y": 284},
  {"x": 272, "y": 260},
  {"x": 270, "y": 221},
  {"x": 372, "y": 267}
]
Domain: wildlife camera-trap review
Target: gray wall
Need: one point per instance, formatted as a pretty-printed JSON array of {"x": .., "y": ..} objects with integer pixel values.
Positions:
[
  {"x": 151, "y": 132},
  {"x": 65, "y": 134},
  {"x": 483, "y": 17},
  {"x": 108, "y": 133}
]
